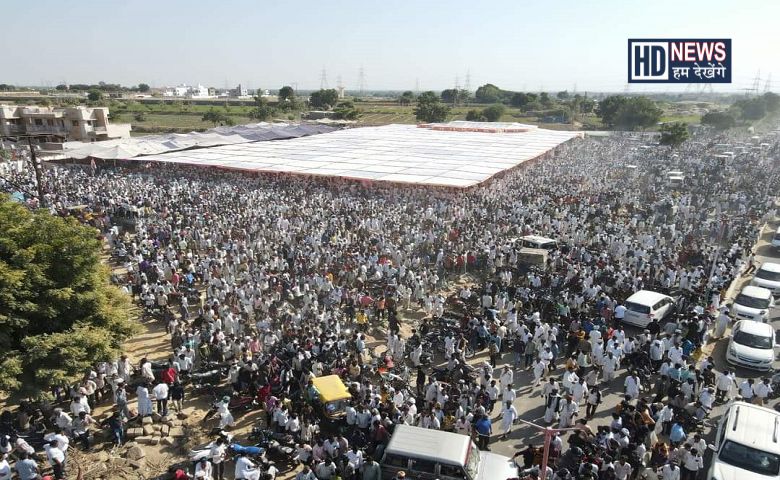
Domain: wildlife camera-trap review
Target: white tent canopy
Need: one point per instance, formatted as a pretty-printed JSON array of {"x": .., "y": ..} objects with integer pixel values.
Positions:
[
  {"x": 155, "y": 144},
  {"x": 391, "y": 153}
]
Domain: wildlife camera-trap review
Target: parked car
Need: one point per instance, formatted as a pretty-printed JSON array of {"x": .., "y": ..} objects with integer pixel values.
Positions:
[
  {"x": 768, "y": 276},
  {"x": 752, "y": 345},
  {"x": 753, "y": 303}
]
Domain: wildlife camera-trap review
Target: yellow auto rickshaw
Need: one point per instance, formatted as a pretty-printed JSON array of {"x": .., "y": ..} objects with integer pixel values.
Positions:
[{"x": 333, "y": 398}]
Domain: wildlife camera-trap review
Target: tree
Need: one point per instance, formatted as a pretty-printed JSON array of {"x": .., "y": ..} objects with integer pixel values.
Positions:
[
  {"x": 61, "y": 87},
  {"x": 449, "y": 95},
  {"x": 475, "y": 116},
  {"x": 564, "y": 95},
  {"x": 751, "y": 108},
  {"x": 406, "y": 98},
  {"x": 59, "y": 313},
  {"x": 143, "y": 88},
  {"x": 772, "y": 101},
  {"x": 520, "y": 100},
  {"x": 263, "y": 111},
  {"x": 493, "y": 113},
  {"x": 545, "y": 99},
  {"x": 217, "y": 118},
  {"x": 324, "y": 98},
  {"x": 674, "y": 134},
  {"x": 346, "y": 111},
  {"x": 488, "y": 93},
  {"x": 430, "y": 109},
  {"x": 719, "y": 120},
  {"x": 95, "y": 95},
  {"x": 286, "y": 94},
  {"x": 629, "y": 112}
]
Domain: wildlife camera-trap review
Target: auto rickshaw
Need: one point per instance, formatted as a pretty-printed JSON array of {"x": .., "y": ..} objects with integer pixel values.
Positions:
[{"x": 332, "y": 402}]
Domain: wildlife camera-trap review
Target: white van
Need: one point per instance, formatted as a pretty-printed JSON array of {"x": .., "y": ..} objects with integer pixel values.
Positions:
[
  {"x": 768, "y": 276},
  {"x": 747, "y": 445},
  {"x": 645, "y": 305},
  {"x": 753, "y": 303},
  {"x": 433, "y": 454},
  {"x": 535, "y": 241}
]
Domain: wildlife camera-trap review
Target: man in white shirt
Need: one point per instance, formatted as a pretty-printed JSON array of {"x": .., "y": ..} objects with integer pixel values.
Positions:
[
  {"x": 761, "y": 392},
  {"x": 723, "y": 386},
  {"x": 670, "y": 471},
  {"x": 746, "y": 390},
  {"x": 203, "y": 470},
  {"x": 161, "y": 395}
]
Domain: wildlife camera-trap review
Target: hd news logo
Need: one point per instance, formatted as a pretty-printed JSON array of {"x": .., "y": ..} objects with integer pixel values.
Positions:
[{"x": 679, "y": 60}]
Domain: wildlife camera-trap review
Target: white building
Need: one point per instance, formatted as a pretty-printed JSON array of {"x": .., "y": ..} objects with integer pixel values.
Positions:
[{"x": 187, "y": 91}]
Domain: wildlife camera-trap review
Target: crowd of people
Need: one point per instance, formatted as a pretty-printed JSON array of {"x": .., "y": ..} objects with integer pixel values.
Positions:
[{"x": 280, "y": 280}]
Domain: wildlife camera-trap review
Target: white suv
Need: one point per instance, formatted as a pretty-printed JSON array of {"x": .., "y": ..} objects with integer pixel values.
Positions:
[{"x": 747, "y": 445}]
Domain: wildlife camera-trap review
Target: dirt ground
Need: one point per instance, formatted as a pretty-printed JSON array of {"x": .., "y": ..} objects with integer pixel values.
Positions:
[{"x": 153, "y": 342}]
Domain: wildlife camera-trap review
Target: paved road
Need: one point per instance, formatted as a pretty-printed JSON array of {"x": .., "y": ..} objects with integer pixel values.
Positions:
[{"x": 530, "y": 404}]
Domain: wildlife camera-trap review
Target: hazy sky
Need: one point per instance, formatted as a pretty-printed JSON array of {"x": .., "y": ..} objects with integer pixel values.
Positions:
[{"x": 515, "y": 44}]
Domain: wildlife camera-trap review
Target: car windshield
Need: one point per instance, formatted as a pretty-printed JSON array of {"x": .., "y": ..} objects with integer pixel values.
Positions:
[
  {"x": 637, "y": 307},
  {"x": 472, "y": 461},
  {"x": 753, "y": 341},
  {"x": 751, "y": 302},
  {"x": 767, "y": 275},
  {"x": 748, "y": 458}
]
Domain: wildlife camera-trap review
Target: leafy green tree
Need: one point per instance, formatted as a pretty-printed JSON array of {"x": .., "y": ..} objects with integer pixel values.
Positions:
[
  {"x": 629, "y": 112},
  {"x": 324, "y": 98},
  {"x": 719, "y": 120},
  {"x": 143, "y": 87},
  {"x": 475, "y": 115},
  {"x": 674, "y": 134},
  {"x": 263, "y": 111},
  {"x": 95, "y": 95},
  {"x": 449, "y": 95},
  {"x": 406, "y": 98},
  {"x": 564, "y": 95},
  {"x": 217, "y": 118},
  {"x": 772, "y": 101},
  {"x": 61, "y": 87},
  {"x": 493, "y": 113},
  {"x": 751, "y": 108},
  {"x": 286, "y": 94},
  {"x": 638, "y": 112},
  {"x": 545, "y": 99},
  {"x": 59, "y": 313},
  {"x": 430, "y": 109},
  {"x": 346, "y": 111},
  {"x": 520, "y": 100},
  {"x": 488, "y": 93}
]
